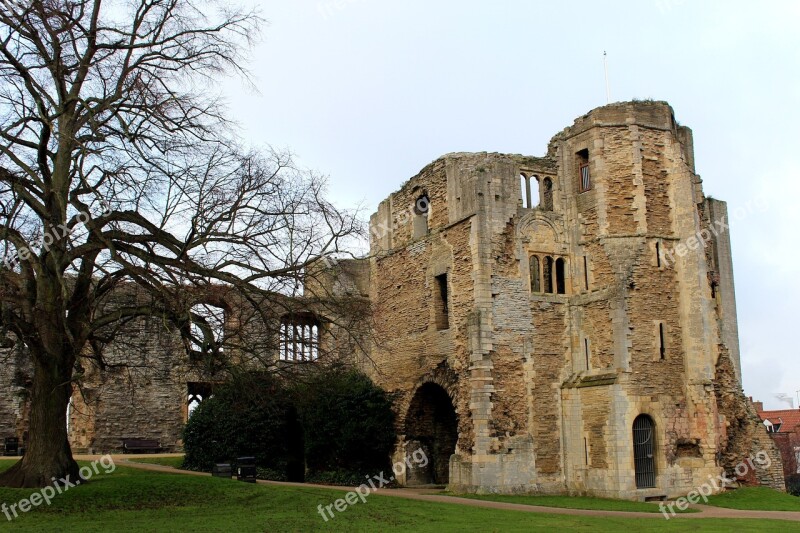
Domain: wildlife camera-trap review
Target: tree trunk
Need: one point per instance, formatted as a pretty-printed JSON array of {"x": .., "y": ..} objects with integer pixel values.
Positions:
[{"x": 48, "y": 457}]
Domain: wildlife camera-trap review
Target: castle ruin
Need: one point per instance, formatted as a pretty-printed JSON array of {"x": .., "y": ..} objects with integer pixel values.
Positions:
[{"x": 557, "y": 324}]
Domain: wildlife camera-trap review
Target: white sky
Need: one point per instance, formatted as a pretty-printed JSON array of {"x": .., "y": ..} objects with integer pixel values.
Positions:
[{"x": 368, "y": 92}]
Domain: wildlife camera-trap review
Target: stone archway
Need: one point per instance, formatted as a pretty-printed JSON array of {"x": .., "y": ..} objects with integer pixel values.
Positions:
[{"x": 431, "y": 425}]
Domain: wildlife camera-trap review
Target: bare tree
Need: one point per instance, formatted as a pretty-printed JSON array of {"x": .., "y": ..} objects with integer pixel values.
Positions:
[{"x": 118, "y": 167}]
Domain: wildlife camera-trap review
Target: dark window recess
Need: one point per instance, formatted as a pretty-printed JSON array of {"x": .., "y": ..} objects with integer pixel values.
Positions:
[
  {"x": 662, "y": 349},
  {"x": 583, "y": 166},
  {"x": 643, "y": 452},
  {"x": 442, "y": 303},
  {"x": 586, "y": 450},
  {"x": 586, "y": 351},
  {"x": 658, "y": 254},
  {"x": 586, "y": 271},
  {"x": 547, "y": 194},
  {"x": 536, "y": 281},
  {"x": 547, "y": 274},
  {"x": 561, "y": 284}
]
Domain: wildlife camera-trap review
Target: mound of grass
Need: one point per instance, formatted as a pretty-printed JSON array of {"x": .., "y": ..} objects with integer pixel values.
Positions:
[
  {"x": 135, "y": 500},
  {"x": 756, "y": 499},
  {"x": 130, "y": 489},
  {"x": 569, "y": 502}
]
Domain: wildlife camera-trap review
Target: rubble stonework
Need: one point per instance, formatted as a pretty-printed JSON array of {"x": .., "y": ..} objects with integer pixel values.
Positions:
[
  {"x": 523, "y": 334},
  {"x": 546, "y": 384}
]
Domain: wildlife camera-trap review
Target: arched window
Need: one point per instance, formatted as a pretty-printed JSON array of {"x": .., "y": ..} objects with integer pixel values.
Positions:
[
  {"x": 536, "y": 191},
  {"x": 207, "y": 327},
  {"x": 547, "y": 194},
  {"x": 536, "y": 280},
  {"x": 196, "y": 394},
  {"x": 299, "y": 337},
  {"x": 547, "y": 274},
  {"x": 525, "y": 190},
  {"x": 561, "y": 286},
  {"x": 529, "y": 190},
  {"x": 644, "y": 452},
  {"x": 194, "y": 403}
]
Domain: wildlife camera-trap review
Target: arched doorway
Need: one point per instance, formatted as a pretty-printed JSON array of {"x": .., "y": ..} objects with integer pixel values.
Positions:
[
  {"x": 644, "y": 452},
  {"x": 432, "y": 425}
]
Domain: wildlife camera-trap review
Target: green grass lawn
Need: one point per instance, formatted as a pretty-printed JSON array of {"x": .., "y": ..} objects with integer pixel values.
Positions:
[
  {"x": 569, "y": 502},
  {"x": 136, "y": 500},
  {"x": 174, "y": 462},
  {"x": 756, "y": 498}
]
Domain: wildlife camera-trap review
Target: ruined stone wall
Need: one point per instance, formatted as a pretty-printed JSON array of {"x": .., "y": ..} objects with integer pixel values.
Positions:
[
  {"x": 15, "y": 380},
  {"x": 548, "y": 363},
  {"x": 788, "y": 445},
  {"x": 141, "y": 392},
  {"x": 410, "y": 348},
  {"x": 743, "y": 435},
  {"x": 140, "y": 388},
  {"x": 615, "y": 338}
]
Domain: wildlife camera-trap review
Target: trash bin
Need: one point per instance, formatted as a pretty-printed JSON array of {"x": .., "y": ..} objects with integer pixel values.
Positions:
[
  {"x": 11, "y": 446},
  {"x": 222, "y": 470},
  {"x": 246, "y": 469}
]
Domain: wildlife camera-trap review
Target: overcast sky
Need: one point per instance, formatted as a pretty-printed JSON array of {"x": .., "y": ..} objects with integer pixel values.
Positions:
[{"x": 368, "y": 92}]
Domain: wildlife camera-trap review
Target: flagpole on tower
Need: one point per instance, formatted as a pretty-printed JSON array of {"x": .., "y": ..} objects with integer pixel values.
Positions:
[{"x": 605, "y": 68}]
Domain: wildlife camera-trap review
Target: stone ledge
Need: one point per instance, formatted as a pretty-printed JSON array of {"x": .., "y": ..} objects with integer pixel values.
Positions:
[{"x": 581, "y": 382}]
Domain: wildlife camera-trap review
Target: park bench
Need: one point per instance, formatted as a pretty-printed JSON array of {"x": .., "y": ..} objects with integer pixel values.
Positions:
[{"x": 141, "y": 446}]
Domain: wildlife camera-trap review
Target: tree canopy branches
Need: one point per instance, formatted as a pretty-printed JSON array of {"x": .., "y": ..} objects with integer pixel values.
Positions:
[{"x": 117, "y": 164}]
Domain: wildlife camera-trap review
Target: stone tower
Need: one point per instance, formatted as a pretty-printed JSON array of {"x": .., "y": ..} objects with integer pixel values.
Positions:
[{"x": 564, "y": 323}]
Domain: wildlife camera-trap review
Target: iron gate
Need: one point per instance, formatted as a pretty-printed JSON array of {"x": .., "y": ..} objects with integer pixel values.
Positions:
[{"x": 643, "y": 430}]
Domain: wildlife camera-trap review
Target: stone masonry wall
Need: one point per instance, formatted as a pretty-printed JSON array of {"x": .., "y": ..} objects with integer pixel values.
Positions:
[{"x": 545, "y": 385}]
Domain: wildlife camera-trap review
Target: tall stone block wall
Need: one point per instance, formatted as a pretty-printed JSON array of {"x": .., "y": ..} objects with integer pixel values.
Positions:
[
  {"x": 141, "y": 392},
  {"x": 15, "y": 379},
  {"x": 555, "y": 381}
]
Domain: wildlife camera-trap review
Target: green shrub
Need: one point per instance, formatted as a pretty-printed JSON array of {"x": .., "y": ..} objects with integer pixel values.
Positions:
[
  {"x": 250, "y": 416},
  {"x": 326, "y": 425},
  {"x": 348, "y": 423}
]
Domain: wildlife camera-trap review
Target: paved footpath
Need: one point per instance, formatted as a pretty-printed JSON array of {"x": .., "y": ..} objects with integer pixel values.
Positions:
[{"x": 430, "y": 495}]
